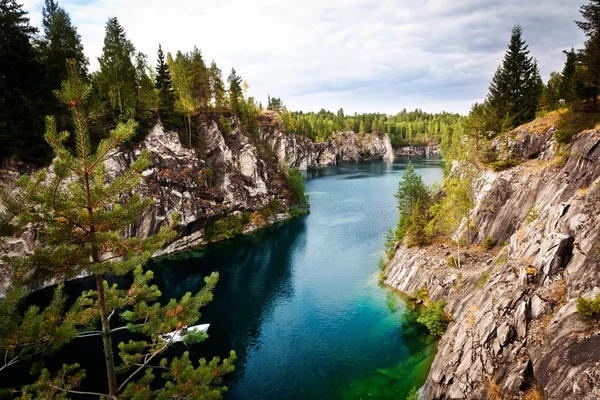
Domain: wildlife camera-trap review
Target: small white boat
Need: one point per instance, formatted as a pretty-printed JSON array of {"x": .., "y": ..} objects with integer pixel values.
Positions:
[{"x": 179, "y": 334}]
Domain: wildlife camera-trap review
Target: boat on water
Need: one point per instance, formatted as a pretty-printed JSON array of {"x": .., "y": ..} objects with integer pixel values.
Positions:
[{"x": 180, "y": 334}]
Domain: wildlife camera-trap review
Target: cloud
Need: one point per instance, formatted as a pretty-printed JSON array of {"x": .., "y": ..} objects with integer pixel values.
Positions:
[{"x": 360, "y": 55}]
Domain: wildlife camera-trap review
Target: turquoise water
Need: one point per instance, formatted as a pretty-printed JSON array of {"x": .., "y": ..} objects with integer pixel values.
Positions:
[{"x": 300, "y": 302}]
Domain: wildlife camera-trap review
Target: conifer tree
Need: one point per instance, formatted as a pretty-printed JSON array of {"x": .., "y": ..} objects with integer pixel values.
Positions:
[
  {"x": 60, "y": 43},
  {"x": 166, "y": 97},
  {"x": 590, "y": 57},
  {"x": 411, "y": 190},
  {"x": 217, "y": 86},
  {"x": 116, "y": 79},
  {"x": 235, "y": 91},
  {"x": 82, "y": 219},
  {"x": 23, "y": 100},
  {"x": 516, "y": 87}
]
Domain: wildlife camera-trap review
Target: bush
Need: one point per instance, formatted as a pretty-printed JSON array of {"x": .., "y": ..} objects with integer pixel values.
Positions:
[
  {"x": 421, "y": 294},
  {"x": 485, "y": 277},
  {"x": 532, "y": 214},
  {"x": 489, "y": 243},
  {"x": 589, "y": 309},
  {"x": 452, "y": 262},
  {"x": 434, "y": 318},
  {"x": 227, "y": 227},
  {"x": 295, "y": 183},
  {"x": 413, "y": 394}
]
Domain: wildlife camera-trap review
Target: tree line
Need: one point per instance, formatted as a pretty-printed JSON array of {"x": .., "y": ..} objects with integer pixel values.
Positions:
[{"x": 33, "y": 65}]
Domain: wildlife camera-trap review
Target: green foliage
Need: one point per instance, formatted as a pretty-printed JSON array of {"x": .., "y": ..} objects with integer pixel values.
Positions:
[
  {"x": 80, "y": 220},
  {"x": 390, "y": 243},
  {"x": 295, "y": 183},
  {"x": 413, "y": 197},
  {"x": 23, "y": 100},
  {"x": 434, "y": 317},
  {"x": 489, "y": 243},
  {"x": 116, "y": 79},
  {"x": 532, "y": 214},
  {"x": 452, "y": 262},
  {"x": 454, "y": 207},
  {"x": 405, "y": 128},
  {"x": 227, "y": 227},
  {"x": 589, "y": 309},
  {"x": 516, "y": 87},
  {"x": 573, "y": 122},
  {"x": 271, "y": 209},
  {"x": 421, "y": 294},
  {"x": 413, "y": 394},
  {"x": 485, "y": 277}
]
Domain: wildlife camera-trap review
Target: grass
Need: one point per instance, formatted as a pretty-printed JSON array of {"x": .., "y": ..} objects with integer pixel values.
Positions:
[{"x": 485, "y": 277}]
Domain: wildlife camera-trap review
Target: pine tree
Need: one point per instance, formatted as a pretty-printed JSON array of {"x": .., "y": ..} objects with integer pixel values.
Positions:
[
  {"x": 411, "y": 189},
  {"x": 217, "y": 86},
  {"x": 82, "y": 219},
  {"x": 235, "y": 91},
  {"x": 22, "y": 97},
  {"x": 166, "y": 97},
  {"x": 60, "y": 43},
  {"x": 516, "y": 87},
  {"x": 116, "y": 79},
  {"x": 590, "y": 56},
  {"x": 569, "y": 78}
]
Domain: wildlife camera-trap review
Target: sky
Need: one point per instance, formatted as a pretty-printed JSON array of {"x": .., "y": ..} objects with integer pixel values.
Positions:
[{"x": 362, "y": 56}]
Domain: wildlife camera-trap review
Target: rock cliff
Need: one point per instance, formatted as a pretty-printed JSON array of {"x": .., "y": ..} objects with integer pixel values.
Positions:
[
  {"x": 301, "y": 152},
  {"x": 515, "y": 326},
  {"x": 226, "y": 175}
]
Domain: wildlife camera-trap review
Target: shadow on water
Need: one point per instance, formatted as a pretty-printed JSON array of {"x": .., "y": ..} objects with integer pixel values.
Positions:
[{"x": 255, "y": 275}]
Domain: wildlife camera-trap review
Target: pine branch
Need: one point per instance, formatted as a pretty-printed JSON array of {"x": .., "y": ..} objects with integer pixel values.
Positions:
[
  {"x": 144, "y": 365},
  {"x": 81, "y": 392}
]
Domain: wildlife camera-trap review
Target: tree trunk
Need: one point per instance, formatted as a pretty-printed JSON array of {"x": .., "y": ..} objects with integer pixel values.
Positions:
[
  {"x": 106, "y": 338},
  {"x": 458, "y": 243}
]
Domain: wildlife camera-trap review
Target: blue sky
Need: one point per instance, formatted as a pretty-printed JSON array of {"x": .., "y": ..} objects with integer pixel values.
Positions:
[{"x": 364, "y": 56}]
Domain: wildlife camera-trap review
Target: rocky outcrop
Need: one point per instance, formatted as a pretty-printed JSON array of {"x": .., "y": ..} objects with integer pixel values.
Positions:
[
  {"x": 421, "y": 151},
  {"x": 301, "y": 152},
  {"x": 515, "y": 324}
]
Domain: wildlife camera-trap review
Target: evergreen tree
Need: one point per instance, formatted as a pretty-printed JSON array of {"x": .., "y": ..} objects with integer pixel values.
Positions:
[
  {"x": 116, "y": 79},
  {"x": 200, "y": 78},
  {"x": 235, "y": 91},
  {"x": 60, "y": 43},
  {"x": 516, "y": 87},
  {"x": 147, "y": 98},
  {"x": 166, "y": 96},
  {"x": 411, "y": 190},
  {"x": 22, "y": 97},
  {"x": 217, "y": 86},
  {"x": 590, "y": 56},
  {"x": 81, "y": 219}
]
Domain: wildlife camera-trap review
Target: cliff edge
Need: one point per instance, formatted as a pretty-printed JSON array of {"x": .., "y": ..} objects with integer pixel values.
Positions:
[{"x": 514, "y": 325}]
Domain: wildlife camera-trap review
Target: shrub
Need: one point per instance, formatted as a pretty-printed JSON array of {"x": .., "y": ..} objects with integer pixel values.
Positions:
[
  {"x": 295, "y": 183},
  {"x": 532, "y": 214},
  {"x": 589, "y": 309},
  {"x": 227, "y": 227},
  {"x": 421, "y": 294},
  {"x": 434, "y": 318},
  {"x": 413, "y": 394},
  {"x": 225, "y": 126},
  {"x": 381, "y": 264},
  {"x": 452, "y": 262},
  {"x": 503, "y": 164},
  {"x": 489, "y": 243},
  {"x": 485, "y": 277}
]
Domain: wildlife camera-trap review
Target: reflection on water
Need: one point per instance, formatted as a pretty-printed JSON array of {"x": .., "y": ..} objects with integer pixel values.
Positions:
[{"x": 299, "y": 302}]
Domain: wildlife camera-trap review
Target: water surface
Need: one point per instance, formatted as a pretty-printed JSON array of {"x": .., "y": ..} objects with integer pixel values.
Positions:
[{"x": 300, "y": 302}]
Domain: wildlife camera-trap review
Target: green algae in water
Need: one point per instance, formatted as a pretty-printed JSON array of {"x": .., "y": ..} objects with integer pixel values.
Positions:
[{"x": 396, "y": 381}]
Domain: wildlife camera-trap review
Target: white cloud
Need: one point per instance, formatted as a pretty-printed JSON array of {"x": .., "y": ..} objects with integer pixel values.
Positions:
[{"x": 356, "y": 54}]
